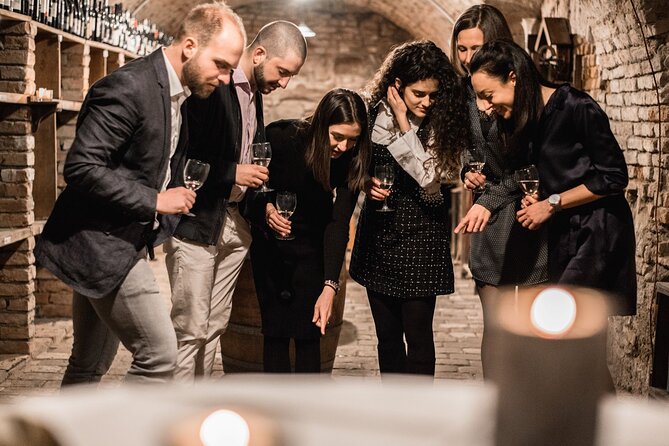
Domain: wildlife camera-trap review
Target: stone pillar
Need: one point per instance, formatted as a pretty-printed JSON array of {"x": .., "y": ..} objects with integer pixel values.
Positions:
[{"x": 17, "y": 160}]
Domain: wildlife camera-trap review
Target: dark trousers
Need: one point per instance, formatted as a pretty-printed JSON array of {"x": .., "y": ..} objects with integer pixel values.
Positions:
[
  {"x": 276, "y": 355},
  {"x": 396, "y": 319}
]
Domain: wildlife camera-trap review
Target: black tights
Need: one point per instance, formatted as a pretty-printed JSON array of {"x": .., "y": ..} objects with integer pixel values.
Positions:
[
  {"x": 396, "y": 318},
  {"x": 276, "y": 355}
]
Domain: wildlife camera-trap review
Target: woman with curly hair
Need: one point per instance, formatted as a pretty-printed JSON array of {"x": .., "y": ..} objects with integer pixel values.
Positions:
[{"x": 418, "y": 120}]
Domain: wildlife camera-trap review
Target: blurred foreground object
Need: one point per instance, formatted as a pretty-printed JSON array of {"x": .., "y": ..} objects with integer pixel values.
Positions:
[
  {"x": 304, "y": 411},
  {"x": 549, "y": 365}
]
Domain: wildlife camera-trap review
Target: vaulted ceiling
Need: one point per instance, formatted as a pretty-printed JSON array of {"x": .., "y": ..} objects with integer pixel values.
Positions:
[{"x": 431, "y": 19}]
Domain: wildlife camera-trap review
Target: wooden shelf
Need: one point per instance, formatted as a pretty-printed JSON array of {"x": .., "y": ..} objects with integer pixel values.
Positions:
[
  {"x": 9, "y": 236},
  {"x": 13, "y": 98},
  {"x": 46, "y": 29},
  {"x": 69, "y": 106},
  {"x": 14, "y": 16}
]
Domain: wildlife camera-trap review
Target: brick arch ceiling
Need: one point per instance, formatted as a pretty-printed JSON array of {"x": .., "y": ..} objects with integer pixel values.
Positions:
[{"x": 430, "y": 19}]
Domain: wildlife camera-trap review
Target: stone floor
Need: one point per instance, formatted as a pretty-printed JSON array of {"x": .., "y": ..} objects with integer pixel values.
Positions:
[{"x": 457, "y": 331}]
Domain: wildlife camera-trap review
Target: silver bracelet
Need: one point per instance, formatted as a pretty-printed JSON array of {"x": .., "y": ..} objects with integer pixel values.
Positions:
[{"x": 332, "y": 284}]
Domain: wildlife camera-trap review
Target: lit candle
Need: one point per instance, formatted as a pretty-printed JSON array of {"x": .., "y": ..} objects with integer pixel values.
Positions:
[{"x": 549, "y": 365}]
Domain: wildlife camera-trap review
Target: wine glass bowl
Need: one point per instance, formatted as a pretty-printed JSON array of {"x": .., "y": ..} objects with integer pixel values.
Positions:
[
  {"x": 528, "y": 179},
  {"x": 195, "y": 174},
  {"x": 476, "y": 164},
  {"x": 385, "y": 173},
  {"x": 285, "y": 202},
  {"x": 262, "y": 155}
]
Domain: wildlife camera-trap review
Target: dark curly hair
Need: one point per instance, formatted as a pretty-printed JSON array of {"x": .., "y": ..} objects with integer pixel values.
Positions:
[{"x": 444, "y": 130}]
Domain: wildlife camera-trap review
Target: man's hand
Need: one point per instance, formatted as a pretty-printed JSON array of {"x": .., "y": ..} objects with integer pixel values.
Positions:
[
  {"x": 177, "y": 200},
  {"x": 251, "y": 175}
]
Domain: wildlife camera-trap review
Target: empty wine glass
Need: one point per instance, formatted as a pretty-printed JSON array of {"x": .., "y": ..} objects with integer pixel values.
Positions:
[
  {"x": 386, "y": 175},
  {"x": 528, "y": 179},
  {"x": 195, "y": 174},
  {"x": 476, "y": 163},
  {"x": 286, "y": 202},
  {"x": 262, "y": 155}
]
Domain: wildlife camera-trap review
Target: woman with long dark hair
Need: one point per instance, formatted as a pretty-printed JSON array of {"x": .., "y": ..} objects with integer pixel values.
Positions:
[
  {"x": 497, "y": 239},
  {"x": 416, "y": 113},
  {"x": 582, "y": 172},
  {"x": 322, "y": 160}
]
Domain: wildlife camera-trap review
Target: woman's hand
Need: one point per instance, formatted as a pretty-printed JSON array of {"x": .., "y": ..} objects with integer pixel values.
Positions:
[
  {"x": 399, "y": 108},
  {"x": 534, "y": 215},
  {"x": 323, "y": 308},
  {"x": 475, "y": 220},
  {"x": 529, "y": 200},
  {"x": 373, "y": 190},
  {"x": 276, "y": 222},
  {"x": 474, "y": 180}
]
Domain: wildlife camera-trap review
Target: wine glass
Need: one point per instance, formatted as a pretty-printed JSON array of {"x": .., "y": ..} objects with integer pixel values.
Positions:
[
  {"x": 528, "y": 179},
  {"x": 476, "y": 163},
  {"x": 195, "y": 174},
  {"x": 285, "y": 204},
  {"x": 386, "y": 175},
  {"x": 262, "y": 155}
]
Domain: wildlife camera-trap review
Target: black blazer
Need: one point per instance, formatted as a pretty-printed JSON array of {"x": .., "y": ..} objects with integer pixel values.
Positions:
[
  {"x": 114, "y": 170},
  {"x": 215, "y": 136}
]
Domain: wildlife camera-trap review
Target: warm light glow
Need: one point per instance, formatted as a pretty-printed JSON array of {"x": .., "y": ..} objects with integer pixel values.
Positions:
[
  {"x": 553, "y": 312},
  {"x": 224, "y": 428}
]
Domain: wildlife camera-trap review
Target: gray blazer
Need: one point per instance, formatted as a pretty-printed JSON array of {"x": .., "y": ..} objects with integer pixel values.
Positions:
[{"x": 104, "y": 218}]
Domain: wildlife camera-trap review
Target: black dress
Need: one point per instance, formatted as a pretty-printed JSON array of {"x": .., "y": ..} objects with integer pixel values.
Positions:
[
  {"x": 405, "y": 253},
  {"x": 289, "y": 274},
  {"x": 591, "y": 245}
]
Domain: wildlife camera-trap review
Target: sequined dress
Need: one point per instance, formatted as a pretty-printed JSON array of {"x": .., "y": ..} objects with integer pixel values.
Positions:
[{"x": 405, "y": 253}]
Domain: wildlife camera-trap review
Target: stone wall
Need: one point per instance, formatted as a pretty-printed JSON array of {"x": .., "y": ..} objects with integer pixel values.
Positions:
[
  {"x": 617, "y": 73},
  {"x": 349, "y": 46},
  {"x": 17, "y": 159}
]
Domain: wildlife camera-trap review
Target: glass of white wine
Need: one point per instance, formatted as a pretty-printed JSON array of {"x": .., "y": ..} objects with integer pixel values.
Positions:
[
  {"x": 528, "y": 179},
  {"x": 476, "y": 164},
  {"x": 262, "y": 155},
  {"x": 385, "y": 173},
  {"x": 286, "y": 202},
  {"x": 195, "y": 174}
]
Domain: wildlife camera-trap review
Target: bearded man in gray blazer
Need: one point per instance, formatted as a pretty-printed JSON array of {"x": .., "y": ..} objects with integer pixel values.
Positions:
[{"x": 120, "y": 199}]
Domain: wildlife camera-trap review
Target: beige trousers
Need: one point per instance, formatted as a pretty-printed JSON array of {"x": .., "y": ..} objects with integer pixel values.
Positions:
[{"x": 203, "y": 278}]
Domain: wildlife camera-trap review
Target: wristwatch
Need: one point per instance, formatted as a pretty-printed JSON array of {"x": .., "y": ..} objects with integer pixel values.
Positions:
[{"x": 556, "y": 202}]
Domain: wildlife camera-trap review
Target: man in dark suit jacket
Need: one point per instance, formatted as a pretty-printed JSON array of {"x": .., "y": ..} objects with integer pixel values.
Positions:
[
  {"x": 128, "y": 149},
  {"x": 205, "y": 255}
]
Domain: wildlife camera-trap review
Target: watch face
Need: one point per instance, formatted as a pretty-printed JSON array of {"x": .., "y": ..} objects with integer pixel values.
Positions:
[{"x": 554, "y": 200}]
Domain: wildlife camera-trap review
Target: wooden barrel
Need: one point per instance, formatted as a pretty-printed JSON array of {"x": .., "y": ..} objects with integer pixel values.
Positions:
[{"x": 242, "y": 343}]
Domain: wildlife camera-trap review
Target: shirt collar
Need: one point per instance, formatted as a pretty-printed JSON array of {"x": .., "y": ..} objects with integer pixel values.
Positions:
[
  {"x": 176, "y": 88},
  {"x": 240, "y": 80}
]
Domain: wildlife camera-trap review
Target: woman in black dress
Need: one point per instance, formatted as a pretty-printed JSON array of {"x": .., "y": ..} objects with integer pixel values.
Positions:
[
  {"x": 324, "y": 161},
  {"x": 419, "y": 127},
  {"x": 582, "y": 172},
  {"x": 497, "y": 239}
]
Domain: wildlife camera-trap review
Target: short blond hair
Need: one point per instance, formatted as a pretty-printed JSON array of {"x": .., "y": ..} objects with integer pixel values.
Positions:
[{"x": 207, "y": 20}]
